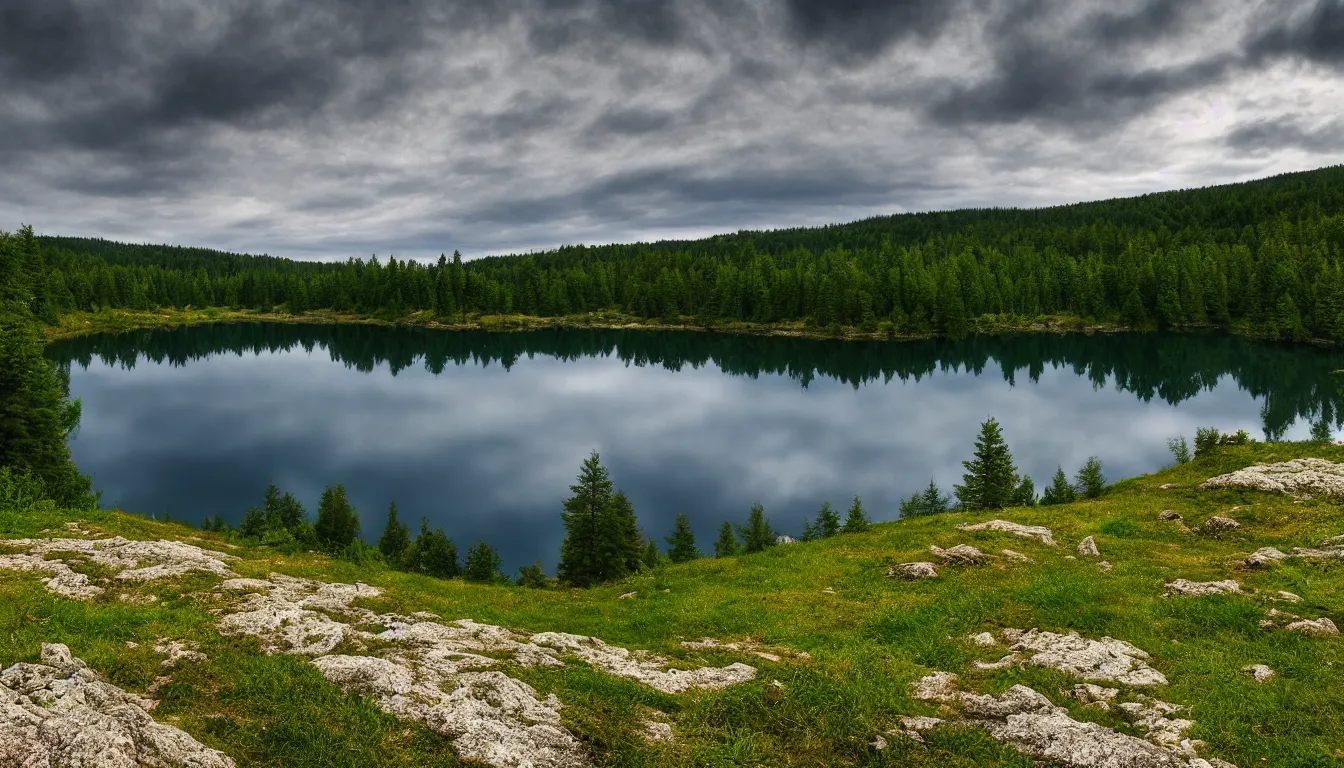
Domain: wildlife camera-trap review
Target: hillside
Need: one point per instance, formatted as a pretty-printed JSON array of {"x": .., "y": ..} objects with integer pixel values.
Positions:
[
  {"x": 1261, "y": 258},
  {"x": 818, "y": 656}
]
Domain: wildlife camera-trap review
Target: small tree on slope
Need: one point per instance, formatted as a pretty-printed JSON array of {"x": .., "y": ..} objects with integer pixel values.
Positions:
[
  {"x": 856, "y": 521},
  {"x": 726, "y": 546},
  {"x": 681, "y": 544},
  {"x": 990, "y": 478},
  {"x": 396, "y": 538},
  {"x": 1060, "y": 491},
  {"x": 337, "y": 523},
  {"x": 757, "y": 533}
]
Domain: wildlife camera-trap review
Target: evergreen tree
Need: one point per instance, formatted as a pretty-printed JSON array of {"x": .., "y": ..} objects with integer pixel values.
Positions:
[
  {"x": 482, "y": 564},
  {"x": 1091, "y": 483},
  {"x": 681, "y": 544},
  {"x": 726, "y": 545},
  {"x": 1320, "y": 431},
  {"x": 585, "y": 513},
  {"x": 629, "y": 543},
  {"x": 990, "y": 478},
  {"x": 856, "y": 521},
  {"x": 757, "y": 533},
  {"x": 1025, "y": 493},
  {"x": 283, "y": 511},
  {"x": 828, "y": 521},
  {"x": 1060, "y": 490},
  {"x": 651, "y": 558},
  {"x": 433, "y": 554},
  {"x": 254, "y": 523},
  {"x": 396, "y": 538},
  {"x": 532, "y": 576},
  {"x": 337, "y": 523},
  {"x": 930, "y": 501}
]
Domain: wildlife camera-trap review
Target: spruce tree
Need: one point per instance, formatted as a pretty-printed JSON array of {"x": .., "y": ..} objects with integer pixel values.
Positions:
[
  {"x": 828, "y": 521},
  {"x": 532, "y": 576},
  {"x": 1320, "y": 431},
  {"x": 1091, "y": 483},
  {"x": 990, "y": 477},
  {"x": 856, "y": 521},
  {"x": 726, "y": 545},
  {"x": 1025, "y": 493},
  {"x": 482, "y": 563},
  {"x": 254, "y": 523},
  {"x": 627, "y": 540},
  {"x": 396, "y": 538},
  {"x": 433, "y": 554},
  {"x": 757, "y": 533},
  {"x": 1060, "y": 490},
  {"x": 681, "y": 544},
  {"x": 337, "y": 523},
  {"x": 651, "y": 558},
  {"x": 603, "y": 540}
]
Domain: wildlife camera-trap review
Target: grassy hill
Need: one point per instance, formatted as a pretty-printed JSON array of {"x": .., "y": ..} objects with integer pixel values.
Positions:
[{"x": 835, "y": 642}]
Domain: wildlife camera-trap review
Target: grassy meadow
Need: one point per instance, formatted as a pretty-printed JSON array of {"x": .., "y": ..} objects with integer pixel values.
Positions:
[{"x": 869, "y": 636}]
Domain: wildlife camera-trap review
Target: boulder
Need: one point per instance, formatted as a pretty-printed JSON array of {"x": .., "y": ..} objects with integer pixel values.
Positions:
[
  {"x": 1320, "y": 626},
  {"x": 1298, "y": 477},
  {"x": 1040, "y": 533},
  {"x": 1265, "y": 556},
  {"x": 1218, "y": 524},
  {"x": 1189, "y": 588},
  {"x": 1018, "y": 556},
  {"x": 962, "y": 554},
  {"x": 1259, "y": 672},
  {"x": 785, "y": 540},
  {"x": 913, "y": 571},
  {"x": 1088, "y": 547},
  {"x": 1169, "y": 514}
]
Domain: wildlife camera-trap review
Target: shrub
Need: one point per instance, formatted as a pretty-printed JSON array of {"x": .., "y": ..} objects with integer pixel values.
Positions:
[{"x": 1180, "y": 449}]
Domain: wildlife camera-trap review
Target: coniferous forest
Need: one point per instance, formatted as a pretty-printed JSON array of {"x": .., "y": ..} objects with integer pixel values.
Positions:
[{"x": 1261, "y": 258}]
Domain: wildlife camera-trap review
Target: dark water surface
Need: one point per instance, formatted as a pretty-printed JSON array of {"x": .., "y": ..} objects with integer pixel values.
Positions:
[{"x": 483, "y": 433}]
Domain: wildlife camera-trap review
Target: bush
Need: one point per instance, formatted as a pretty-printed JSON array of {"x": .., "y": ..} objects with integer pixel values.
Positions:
[
  {"x": 533, "y": 577},
  {"x": 1121, "y": 529},
  {"x": 1180, "y": 449}
]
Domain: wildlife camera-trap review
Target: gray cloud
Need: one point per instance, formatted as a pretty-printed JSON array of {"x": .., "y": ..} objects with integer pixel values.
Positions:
[{"x": 335, "y": 127}]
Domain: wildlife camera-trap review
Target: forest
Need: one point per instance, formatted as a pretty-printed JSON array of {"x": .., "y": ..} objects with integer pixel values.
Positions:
[{"x": 1262, "y": 258}]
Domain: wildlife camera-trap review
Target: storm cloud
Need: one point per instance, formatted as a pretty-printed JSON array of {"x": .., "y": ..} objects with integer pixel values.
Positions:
[{"x": 334, "y": 128}]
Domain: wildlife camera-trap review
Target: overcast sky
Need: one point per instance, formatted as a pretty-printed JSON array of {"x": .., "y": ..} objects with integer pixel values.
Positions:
[{"x": 335, "y": 128}]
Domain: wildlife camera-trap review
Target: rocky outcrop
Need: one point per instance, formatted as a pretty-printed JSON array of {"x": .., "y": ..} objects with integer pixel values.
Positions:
[
  {"x": 1107, "y": 659},
  {"x": 1040, "y": 533},
  {"x": 1265, "y": 556},
  {"x": 60, "y": 713},
  {"x": 1088, "y": 547},
  {"x": 1321, "y": 626},
  {"x": 1185, "y": 587},
  {"x": 1298, "y": 477},
  {"x": 1218, "y": 524},
  {"x": 1308, "y": 553},
  {"x": 1170, "y": 515},
  {"x": 962, "y": 554},
  {"x": 1016, "y": 556},
  {"x": 642, "y": 666},
  {"x": 913, "y": 571},
  {"x": 130, "y": 561}
]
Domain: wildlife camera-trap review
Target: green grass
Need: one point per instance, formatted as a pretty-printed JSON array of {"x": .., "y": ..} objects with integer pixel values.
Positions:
[{"x": 868, "y": 641}]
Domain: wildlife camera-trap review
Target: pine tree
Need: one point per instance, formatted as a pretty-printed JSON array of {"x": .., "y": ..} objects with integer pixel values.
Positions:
[
  {"x": 396, "y": 538},
  {"x": 433, "y": 554},
  {"x": 337, "y": 523},
  {"x": 1091, "y": 483},
  {"x": 726, "y": 545},
  {"x": 681, "y": 544},
  {"x": 1025, "y": 493},
  {"x": 828, "y": 521},
  {"x": 757, "y": 533},
  {"x": 627, "y": 540},
  {"x": 283, "y": 511},
  {"x": 482, "y": 564},
  {"x": 990, "y": 478},
  {"x": 651, "y": 558},
  {"x": 1320, "y": 431},
  {"x": 254, "y": 523},
  {"x": 856, "y": 521},
  {"x": 532, "y": 576},
  {"x": 930, "y": 501},
  {"x": 1060, "y": 490},
  {"x": 584, "y": 514}
]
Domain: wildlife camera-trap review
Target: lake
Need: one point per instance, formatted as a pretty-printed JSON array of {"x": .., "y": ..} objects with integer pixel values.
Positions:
[{"x": 483, "y": 433}]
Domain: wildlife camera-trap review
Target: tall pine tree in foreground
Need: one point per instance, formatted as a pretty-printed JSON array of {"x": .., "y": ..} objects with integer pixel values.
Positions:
[
  {"x": 991, "y": 478},
  {"x": 602, "y": 536},
  {"x": 682, "y": 541},
  {"x": 337, "y": 523}
]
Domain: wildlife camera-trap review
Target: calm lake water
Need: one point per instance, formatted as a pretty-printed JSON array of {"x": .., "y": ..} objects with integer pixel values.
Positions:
[{"x": 483, "y": 433}]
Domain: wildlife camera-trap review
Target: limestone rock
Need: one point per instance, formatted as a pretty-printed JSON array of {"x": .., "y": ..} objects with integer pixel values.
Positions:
[
  {"x": 962, "y": 554},
  {"x": 130, "y": 560},
  {"x": 1219, "y": 524},
  {"x": 645, "y": 668},
  {"x": 785, "y": 540},
  {"x": 1321, "y": 626},
  {"x": 1298, "y": 477},
  {"x": 984, "y": 640},
  {"x": 1287, "y": 597},
  {"x": 1186, "y": 587},
  {"x": 1259, "y": 672},
  {"x": 1040, "y": 533},
  {"x": 1169, "y": 515},
  {"x": 1105, "y": 566},
  {"x": 1002, "y": 663},
  {"x": 1093, "y": 695},
  {"x": 1088, "y": 547},
  {"x": 1017, "y": 556},
  {"x": 60, "y": 713},
  {"x": 1106, "y": 659},
  {"x": 913, "y": 571},
  {"x": 628, "y": 596},
  {"x": 1333, "y": 553},
  {"x": 1265, "y": 556}
]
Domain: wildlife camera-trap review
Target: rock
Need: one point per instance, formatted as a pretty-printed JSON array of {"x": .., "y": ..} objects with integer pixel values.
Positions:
[
  {"x": 1040, "y": 533},
  {"x": 1322, "y": 626},
  {"x": 1287, "y": 597},
  {"x": 628, "y": 596},
  {"x": 60, "y": 713},
  {"x": 1017, "y": 556},
  {"x": 1003, "y": 663},
  {"x": 1164, "y": 730},
  {"x": 642, "y": 667},
  {"x": 1028, "y": 721},
  {"x": 784, "y": 540},
  {"x": 1265, "y": 556},
  {"x": 1298, "y": 477},
  {"x": 655, "y": 731},
  {"x": 1088, "y": 547},
  {"x": 1169, "y": 515},
  {"x": 1201, "y": 588},
  {"x": 962, "y": 554},
  {"x": 828, "y": 591},
  {"x": 178, "y": 651},
  {"x": 1106, "y": 660},
  {"x": 1105, "y": 566},
  {"x": 1012, "y": 636},
  {"x": 913, "y": 571},
  {"x": 129, "y": 560},
  {"x": 1259, "y": 672},
  {"x": 1218, "y": 524},
  {"x": 1093, "y": 695},
  {"x": 1167, "y": 486},
  {"x": 1334, "y": 553},
  {"x": 984, "y": 640}
]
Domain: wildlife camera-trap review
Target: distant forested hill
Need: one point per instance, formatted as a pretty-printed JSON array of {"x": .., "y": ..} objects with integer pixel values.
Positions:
[{"x": 1263, "y": 257}]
